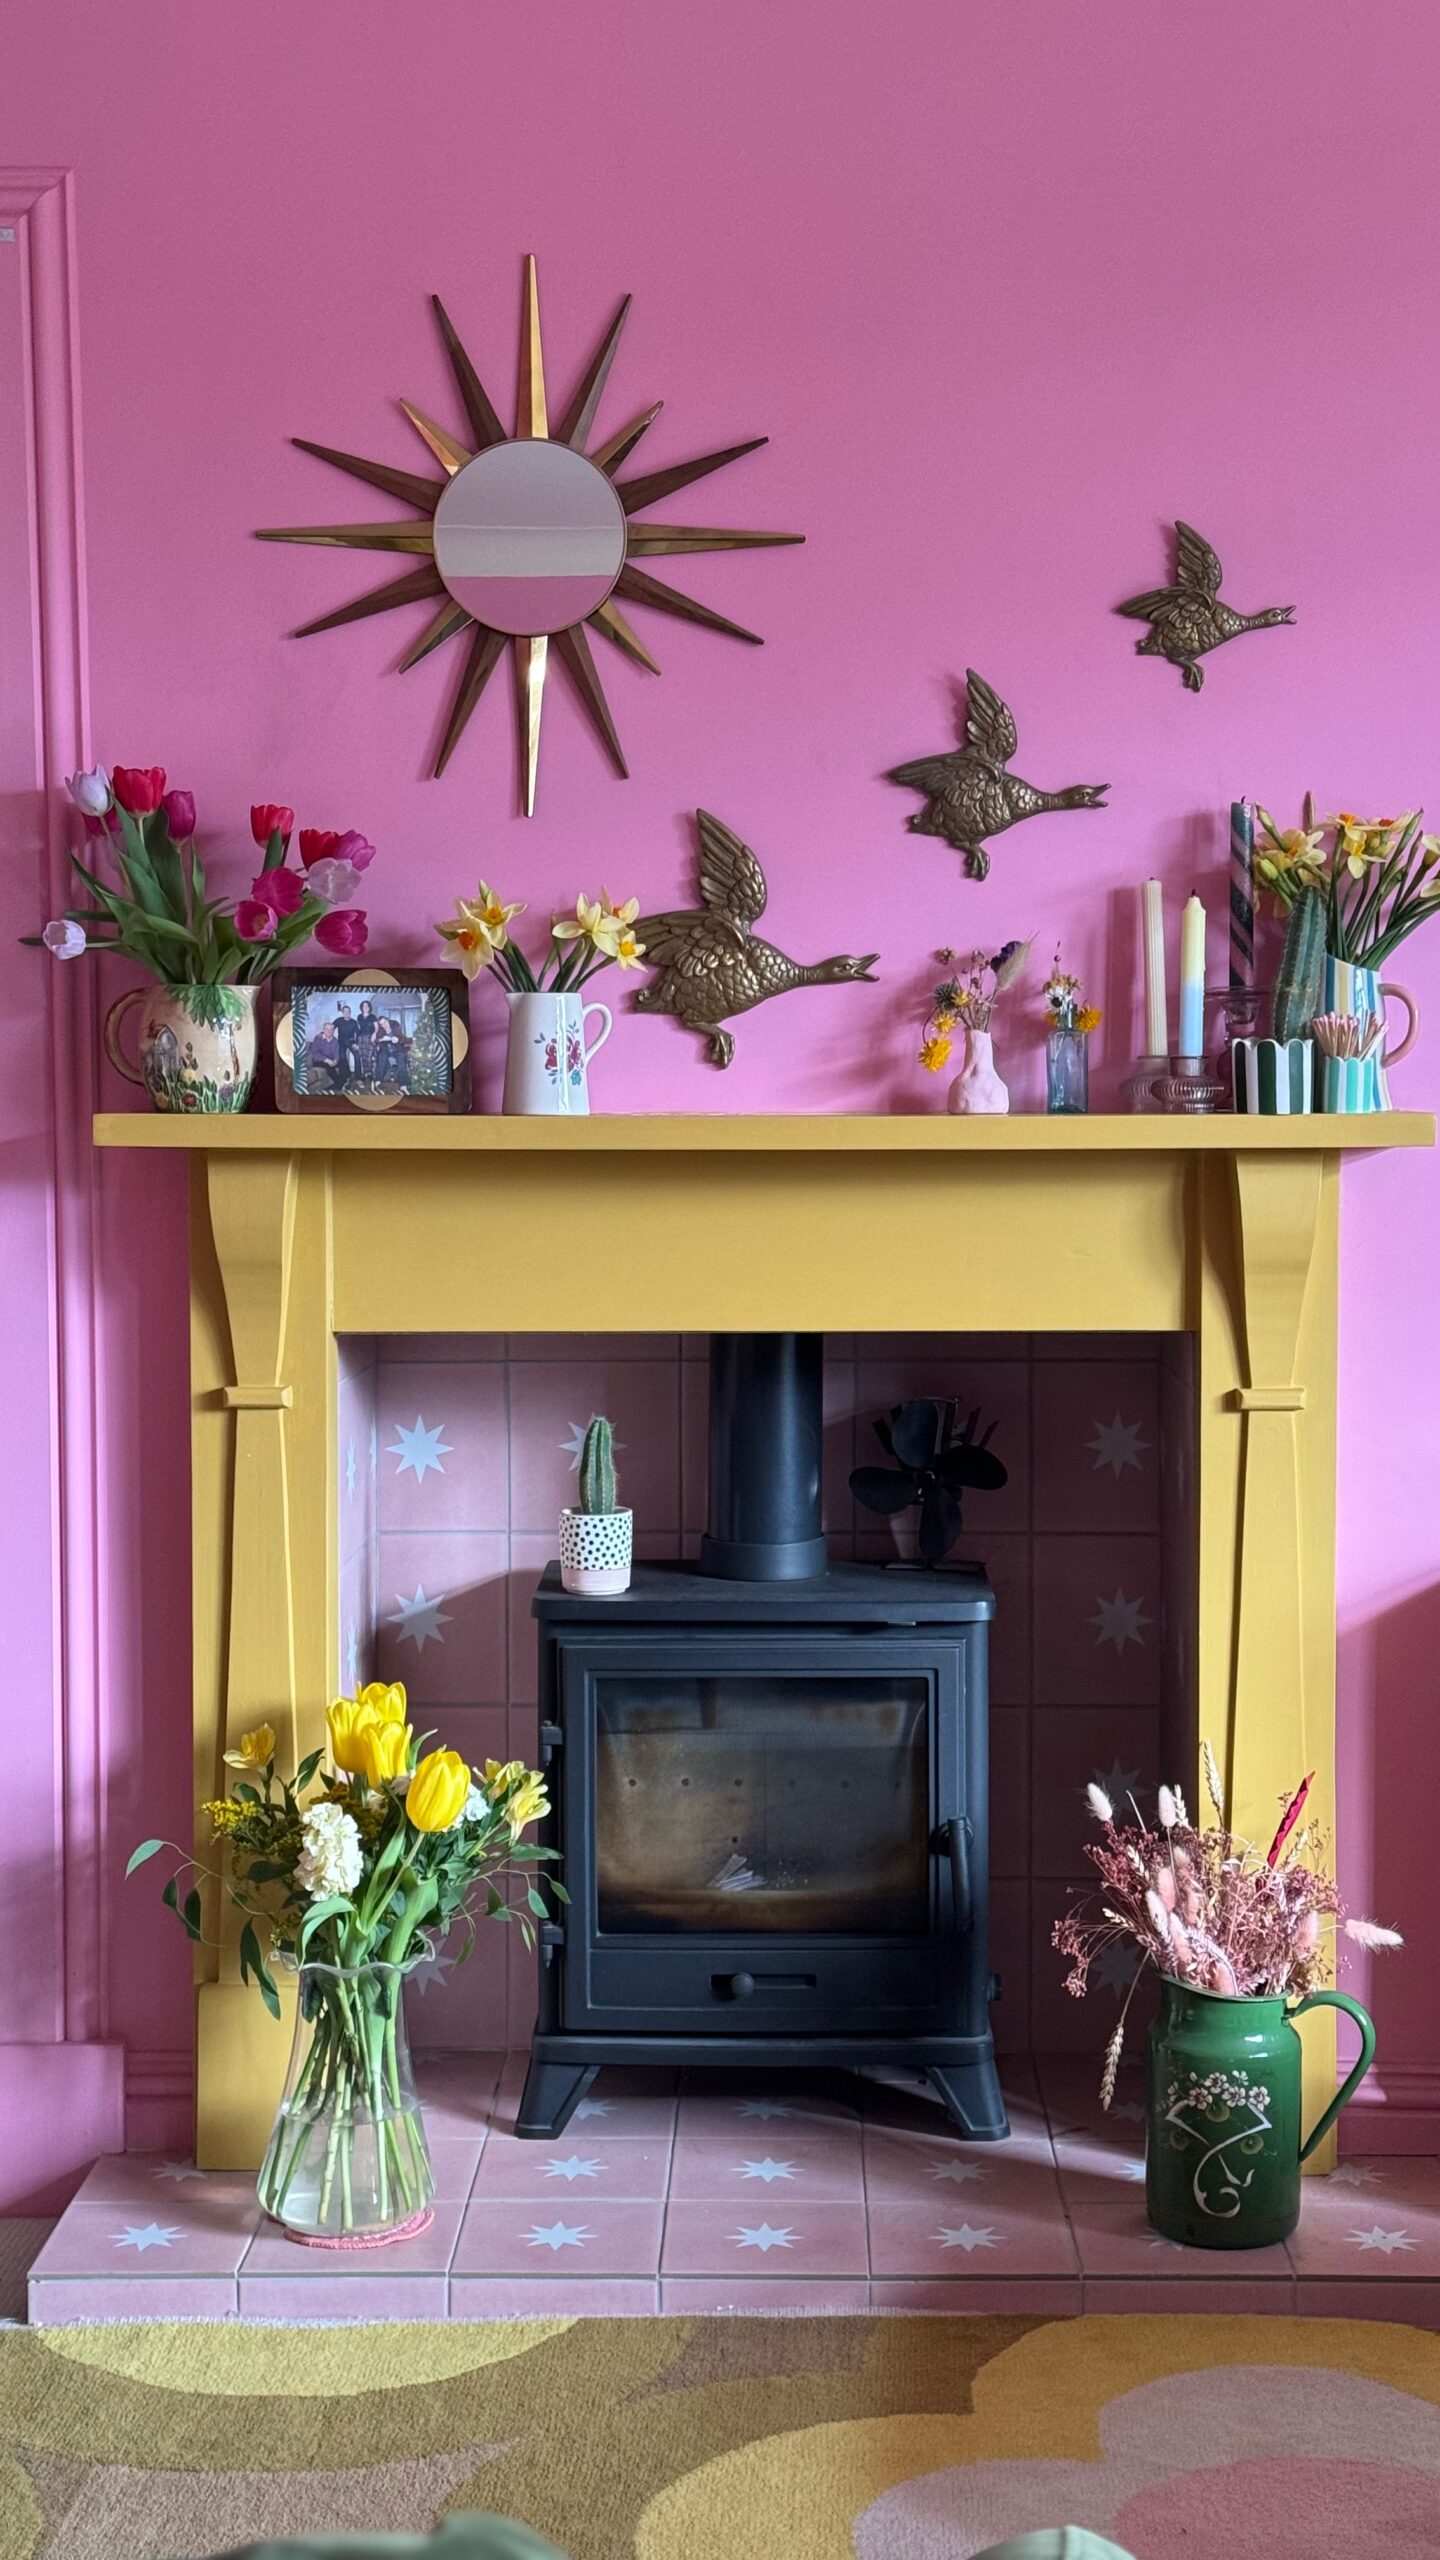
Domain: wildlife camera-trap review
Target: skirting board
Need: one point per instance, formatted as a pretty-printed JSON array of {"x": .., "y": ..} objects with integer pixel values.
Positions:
[
  {"x": 1396, "y": 2110},
  {"x": 61, "y": 2105}
]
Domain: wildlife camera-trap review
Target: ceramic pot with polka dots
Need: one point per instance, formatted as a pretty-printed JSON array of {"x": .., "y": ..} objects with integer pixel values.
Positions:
[{"x": 595, "y": 1551}]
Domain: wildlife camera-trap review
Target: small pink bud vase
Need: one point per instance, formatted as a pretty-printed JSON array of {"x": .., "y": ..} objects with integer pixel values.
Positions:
[
  {"x": 546, "y": 1060},
  {"x": 979, "y": 1086}
]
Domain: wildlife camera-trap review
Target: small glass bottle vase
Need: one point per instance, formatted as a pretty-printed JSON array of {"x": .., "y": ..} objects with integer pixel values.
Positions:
[
  {"x": 1067, "y": 1070},
  {"x": 348, "y": 2160}
]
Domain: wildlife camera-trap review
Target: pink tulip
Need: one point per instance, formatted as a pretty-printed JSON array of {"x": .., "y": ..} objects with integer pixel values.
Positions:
[
  {"x": 253, "y": 921},
  {"x": 179, "y": 808},
  {"x": 344, "y": 931},
  {"x": 268, "y": 818},
  {"x": 281, "y": 890}
]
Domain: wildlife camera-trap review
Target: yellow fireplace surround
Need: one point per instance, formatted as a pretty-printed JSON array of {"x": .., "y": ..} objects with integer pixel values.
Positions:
[{"x": 303, "y": 1229}]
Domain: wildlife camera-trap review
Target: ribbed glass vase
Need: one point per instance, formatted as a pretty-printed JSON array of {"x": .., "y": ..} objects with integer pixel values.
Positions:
[{"x": 348, "y": 2157}]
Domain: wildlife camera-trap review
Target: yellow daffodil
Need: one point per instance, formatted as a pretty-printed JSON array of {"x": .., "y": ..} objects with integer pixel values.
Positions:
[
  {"x": 590, "y": 922},
  {"x": 528, "y": 1804},
  {"x": 627, "y": 950},
  {"x": 388, "y": 1699},
  {"x": 382, "y": 1751},
  {"x": 437, "y": 1792},
  {"x": 256, "y": 1748},
  {"x": 934, "y": 1055},
  {"x": 478, "y": 929},
  {"x": 347, "y": 1721},
  {"x": 1295, "y": 846},
  {"x": 498, "y": 1777}
]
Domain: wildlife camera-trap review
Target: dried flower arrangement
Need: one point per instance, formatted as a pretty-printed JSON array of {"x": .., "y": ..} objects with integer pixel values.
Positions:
[
  {"x": 967, "y": 997},
  {"x": 1064, "y": 1000},
  {"x": 1204, "y": 1907}
]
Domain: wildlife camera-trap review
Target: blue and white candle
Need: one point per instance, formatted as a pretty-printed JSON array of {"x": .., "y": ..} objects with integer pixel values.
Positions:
[{"x": 1192, "y": 980}]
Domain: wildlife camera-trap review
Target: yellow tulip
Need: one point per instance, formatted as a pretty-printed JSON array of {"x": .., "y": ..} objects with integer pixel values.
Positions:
[
  {"x": 527, "y": 1804},
  {"x": 382, "y": 1751},
  {"x": 256, "y": 1748},
  {"x": 388, "y": 1699},
  {"x": 437, "y": 1792},
  {"x": 348, "y": 1721}
]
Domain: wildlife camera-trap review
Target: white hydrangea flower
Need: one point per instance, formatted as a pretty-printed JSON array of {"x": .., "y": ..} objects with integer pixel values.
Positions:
[{"x": 330, "y": 1861}]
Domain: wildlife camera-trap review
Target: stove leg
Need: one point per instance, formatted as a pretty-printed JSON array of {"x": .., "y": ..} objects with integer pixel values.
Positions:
[
  {"x": 971, "y": 2092},
  {"x": 553, "y": 2090}
]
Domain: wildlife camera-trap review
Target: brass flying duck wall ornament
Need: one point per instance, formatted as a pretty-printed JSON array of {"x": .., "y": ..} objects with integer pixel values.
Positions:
[
  {"x": 1188, "y": 619},
  {"x": 707, "y": 962},
  {"x": 970, "y": 793},
  {"x": 528, "y": 538}
]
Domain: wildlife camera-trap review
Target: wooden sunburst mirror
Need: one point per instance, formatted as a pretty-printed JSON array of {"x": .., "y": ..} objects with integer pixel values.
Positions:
[{"x": 528, "y": 538}]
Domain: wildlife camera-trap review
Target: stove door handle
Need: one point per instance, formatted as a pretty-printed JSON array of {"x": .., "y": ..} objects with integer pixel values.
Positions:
[{"x": 955, "y": 1837}]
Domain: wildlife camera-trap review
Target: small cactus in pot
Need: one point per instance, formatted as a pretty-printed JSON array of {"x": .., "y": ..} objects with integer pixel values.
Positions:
[
  {"x": 1278, "y": 1074},
  {"x": 597, "y": 1535}
]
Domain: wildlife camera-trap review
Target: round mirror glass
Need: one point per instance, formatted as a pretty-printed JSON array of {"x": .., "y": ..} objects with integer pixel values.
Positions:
[{"x": 529, "y": 537}]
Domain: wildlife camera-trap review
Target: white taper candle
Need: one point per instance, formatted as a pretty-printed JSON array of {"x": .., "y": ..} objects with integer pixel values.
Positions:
[{"x": 1157, "y": 1011}]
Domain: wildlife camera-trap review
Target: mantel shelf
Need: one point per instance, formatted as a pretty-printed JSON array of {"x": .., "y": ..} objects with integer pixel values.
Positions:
[{"x": 723, "y": 1133}]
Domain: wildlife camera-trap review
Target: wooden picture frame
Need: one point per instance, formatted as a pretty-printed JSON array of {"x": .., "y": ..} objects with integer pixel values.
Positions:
[{"x": 383, "y": 1072}]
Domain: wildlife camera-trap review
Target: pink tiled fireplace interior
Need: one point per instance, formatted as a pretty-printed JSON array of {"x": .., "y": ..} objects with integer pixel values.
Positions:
[{"x": 457, "y": 1453}]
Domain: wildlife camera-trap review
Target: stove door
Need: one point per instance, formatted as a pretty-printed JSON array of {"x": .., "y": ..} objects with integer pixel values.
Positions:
[{"x": 760, "y": 1832}]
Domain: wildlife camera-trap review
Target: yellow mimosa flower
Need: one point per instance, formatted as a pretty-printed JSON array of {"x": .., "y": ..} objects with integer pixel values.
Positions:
[
  {"x": 437, "y": 1792},
  {"x": 528, "y": 1804},
  {"x": 347, "y": 1721},
  {"x": 388, "y": 1699},
  {"x": 256, "y": 1748},
  {"x": 382, "y": 1751}
]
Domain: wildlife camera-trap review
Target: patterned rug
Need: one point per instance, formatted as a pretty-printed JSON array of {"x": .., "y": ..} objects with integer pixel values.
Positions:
[{"x": 815, "y": 2439}]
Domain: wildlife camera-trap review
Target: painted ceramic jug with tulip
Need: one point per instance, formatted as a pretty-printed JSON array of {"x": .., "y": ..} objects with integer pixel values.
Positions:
[
  {"x": 146, "y": 897},
  {"x": 1240, "y": 1943}
]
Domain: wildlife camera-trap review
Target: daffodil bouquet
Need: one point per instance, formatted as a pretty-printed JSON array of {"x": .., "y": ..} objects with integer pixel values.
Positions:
[
  {"x": 1378, "y": 877},
  {"x": 597, "y": 933},
  {"x": 354, "y": 1868}
]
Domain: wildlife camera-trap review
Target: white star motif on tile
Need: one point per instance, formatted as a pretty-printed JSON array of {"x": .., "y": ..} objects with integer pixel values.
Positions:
[
  {"x": 572, "y": 2168},
  {"x": 764, "y": 2108},
  {"x": 1176, "y": 2245},
  {"x": 145, "y": 2235},
  {"x": 968, "y": 2238},
  {"x": 1114, "y": 1782},
  {"x": 761, "y": 2237},
  {"x": 575, "y": 1444},
  {"x": 1134, "y": 2170},
  {"x": 594, "y": 2107},
  {"x": 1355, "y": 2173},
  {"x": 434, "y": 1969},
  {"x": 419, "y": 1620},
  {"x": 560, "y": 2235},
  {"x": 178, "y": 2169},
  {"x": 351, "y": 1468},
  {"x": 1118, "y": 1445},
  {"x": 374, "y": 1446},
  {"x": 1128, "y": 2111},
  {"x": 1119, "y": 1621},
  {"x": 958, "y": 2172},
  {"x": 420, "y": 1448},
  {"x": 1115, "y": 1967},
  {"x": 352, "y": 1656},
  {"x": 767, "y": 2169},
  {"x": 1387, "y": 2242}
]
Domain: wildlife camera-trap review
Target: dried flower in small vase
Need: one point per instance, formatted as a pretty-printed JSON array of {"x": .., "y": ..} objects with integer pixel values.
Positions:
[
  {"x": 1067, "y": 1054},
  {"x": 966, "y": 997},
  {"x": 1205, "y": 1908}
]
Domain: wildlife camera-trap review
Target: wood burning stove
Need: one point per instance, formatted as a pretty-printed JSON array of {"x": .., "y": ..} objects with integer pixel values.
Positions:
[{"x": 769, "y": 1790}]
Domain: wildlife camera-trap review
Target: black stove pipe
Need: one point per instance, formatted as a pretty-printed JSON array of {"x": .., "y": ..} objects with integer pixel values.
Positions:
[{"x": 766, "y": 1425}]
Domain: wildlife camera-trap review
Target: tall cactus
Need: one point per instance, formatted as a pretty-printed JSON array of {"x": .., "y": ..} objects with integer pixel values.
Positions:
[
  {"x": 598, "y": 1488},
  {"x": 1298, "y": 989}
]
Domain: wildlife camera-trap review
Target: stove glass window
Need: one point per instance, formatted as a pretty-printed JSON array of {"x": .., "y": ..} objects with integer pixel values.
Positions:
[{"x": 771, "y": 1802}]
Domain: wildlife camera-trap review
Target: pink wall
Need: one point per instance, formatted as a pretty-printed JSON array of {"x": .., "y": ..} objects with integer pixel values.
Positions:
[{"x": 1007, "y": 288}]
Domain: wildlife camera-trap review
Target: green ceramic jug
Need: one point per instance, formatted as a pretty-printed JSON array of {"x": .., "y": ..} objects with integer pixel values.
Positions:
[{"x": 1223, "y": 2147}]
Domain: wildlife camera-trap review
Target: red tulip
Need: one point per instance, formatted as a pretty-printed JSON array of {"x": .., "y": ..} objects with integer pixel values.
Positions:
[
  {"x": 269, "y": 818},
  {"x": 179, "y": 808},
  {"x": 353, "y": 847},
  {"x": 316, "y": 844},
  {"x": 254, "y": 922},
  {"x": 344, "y": 931},
  {"x": 281, "y": 890},
  {"x": 138, "y": 788}
]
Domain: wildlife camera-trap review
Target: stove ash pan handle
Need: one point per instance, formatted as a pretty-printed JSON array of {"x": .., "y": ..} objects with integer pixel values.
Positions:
[{"x": 953, "y": 1837}]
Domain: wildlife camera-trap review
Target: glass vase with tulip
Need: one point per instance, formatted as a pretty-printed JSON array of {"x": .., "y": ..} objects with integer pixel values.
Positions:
[
  {"x": 547, "y": 1056},
  {"x": 355, "y": 1869},
  {"x": 207, "y": 957}
]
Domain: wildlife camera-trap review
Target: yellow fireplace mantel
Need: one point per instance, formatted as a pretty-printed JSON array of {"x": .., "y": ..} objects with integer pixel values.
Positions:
[{"x": 305, "y": 1228}]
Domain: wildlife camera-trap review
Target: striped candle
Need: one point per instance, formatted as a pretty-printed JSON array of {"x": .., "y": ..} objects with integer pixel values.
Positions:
[{"x": 1242, "y": 893}]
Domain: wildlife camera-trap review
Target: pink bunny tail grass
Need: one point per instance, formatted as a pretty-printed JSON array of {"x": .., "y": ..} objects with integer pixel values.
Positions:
[
  {"x": 1288, "y": 1820},
  {"x": 1368, "y": 1933}
]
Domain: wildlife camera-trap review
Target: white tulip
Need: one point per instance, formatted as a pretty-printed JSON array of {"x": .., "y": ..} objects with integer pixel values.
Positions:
[
  {"x": 333, "y": 882},
  {"x": 90, "y": 791},
  {"x": 65, "y": 938}
]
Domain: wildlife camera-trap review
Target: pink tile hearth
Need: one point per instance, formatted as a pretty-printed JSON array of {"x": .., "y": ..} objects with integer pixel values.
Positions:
[{"x": 825, "y": 2196}]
